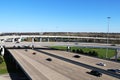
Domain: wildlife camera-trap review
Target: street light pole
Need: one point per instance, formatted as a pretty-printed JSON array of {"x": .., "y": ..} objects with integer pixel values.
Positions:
[{"x": 108, "y": 18}]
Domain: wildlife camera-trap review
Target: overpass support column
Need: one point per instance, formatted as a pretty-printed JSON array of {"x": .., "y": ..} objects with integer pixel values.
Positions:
[
  {"x": 13, "y": 40},
  {"x": 20, "y": 39},
  {"x": 117, "y": 51},
  {"x": 55, "y": 39},
  {"x": 2, "y": 50},
  {"x": 48, "y": 39},
  {"x": 33, "y": 39},
  {"x": 40, "y": 39}
]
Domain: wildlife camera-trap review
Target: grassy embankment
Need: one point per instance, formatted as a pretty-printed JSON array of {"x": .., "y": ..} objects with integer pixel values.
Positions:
[
  {"x": 3, "y": 68},
  {"x": 100, "y": 51}
]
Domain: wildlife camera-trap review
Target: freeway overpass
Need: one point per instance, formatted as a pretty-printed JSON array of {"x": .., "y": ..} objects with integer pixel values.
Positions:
[
  {"x": 19, "y": 37},
  {"x": 44, "y": 44}
]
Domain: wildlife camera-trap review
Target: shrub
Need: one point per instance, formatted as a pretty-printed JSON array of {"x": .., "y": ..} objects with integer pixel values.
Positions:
[
  {"x": 85, "y": 53},
  {"x": 77, "y": 51},
  {"x": 94, "y": 53},
  {"x": 90, "y": 53},
  {"x": 73, "y": 50},
  {"x": 81, "y": 51}
]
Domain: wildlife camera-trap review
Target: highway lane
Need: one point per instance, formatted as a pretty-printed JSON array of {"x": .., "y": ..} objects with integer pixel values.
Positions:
[
  {"x": 39, "y": 44},
  {"x": 85, "y": 59},
  {"x": 59, "y": 66},
  {"x": 36, "y": 70},
  {"x": 67, "y": 70},
  {"x": 25, "y": 66},
  {"x": 82, "y": 64}
]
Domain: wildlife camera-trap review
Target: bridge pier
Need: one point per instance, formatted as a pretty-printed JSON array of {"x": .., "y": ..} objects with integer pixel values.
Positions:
[
  {"x": 33, "y": 39},
  {"x": 2, "y": 50},
  {"x": 40, "y": 39},
  {"x": 116, "y": 55},
  {"x": 20, "y": 39},
  {"x": 48, "y": 39},
  {"x": 13, "y": 40}
]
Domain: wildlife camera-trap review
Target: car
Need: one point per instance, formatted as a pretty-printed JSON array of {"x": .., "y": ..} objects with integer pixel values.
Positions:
[
  {"x": 49, "y": 59},
  {"x": 25, "y": 46},
  {"x": 101, "y": 64},
  {"x": 17, "y": 42},
  {"x": 114, "y": 70},
  {"x": 96, "y": 73},
  {"x": 113, "y": 45},
  {"x": 118, "y": 70},
  {"x": 34, "y": 53},
  {"x": 76, "y": 56}
]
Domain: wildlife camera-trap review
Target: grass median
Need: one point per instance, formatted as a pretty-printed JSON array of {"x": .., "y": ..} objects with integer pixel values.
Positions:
[{"x": 100, "y": 51}]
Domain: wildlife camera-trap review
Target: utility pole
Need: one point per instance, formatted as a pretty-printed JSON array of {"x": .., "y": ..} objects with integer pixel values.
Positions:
[{"x": 108, "y": 18}]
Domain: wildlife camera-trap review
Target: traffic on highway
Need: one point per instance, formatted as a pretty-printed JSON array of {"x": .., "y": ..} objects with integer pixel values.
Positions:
[{"x": 48, "y": 67}]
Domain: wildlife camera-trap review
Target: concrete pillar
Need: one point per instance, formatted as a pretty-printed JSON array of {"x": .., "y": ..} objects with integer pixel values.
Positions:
[
  {"x": 33, "y": 39},
  {"x": 116, "y": 54},
  {"x": 13, "y": 40},
  {"x": 20, "y": 39},
  {"x": 55, "y": 39},
  {"x": 2, "y": 50},
  {"x": 48, "y": 39},
  {"x": 32, "y": 46},
  {"x": 40, "y": 39}
]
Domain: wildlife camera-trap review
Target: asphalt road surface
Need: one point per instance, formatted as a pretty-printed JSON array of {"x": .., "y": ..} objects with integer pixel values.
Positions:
[
  {"x": 84, "y": 59},
  {"x": 38, "y": 68},
  {"x": 41, "y": 44}
]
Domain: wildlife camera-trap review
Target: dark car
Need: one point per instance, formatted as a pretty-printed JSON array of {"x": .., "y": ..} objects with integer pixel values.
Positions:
[
  {"x": 49, "y": 59},
  {"x": 96, "y": 73},
  {"x": 76, "y": 56},
  {"x": 118, "y": 70},
  {"x": 114, "y": 70},
  {"x": 34, "y": 53}
]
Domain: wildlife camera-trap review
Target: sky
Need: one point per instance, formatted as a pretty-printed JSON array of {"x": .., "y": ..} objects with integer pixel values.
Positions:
[{"x": 59, "y": 15}]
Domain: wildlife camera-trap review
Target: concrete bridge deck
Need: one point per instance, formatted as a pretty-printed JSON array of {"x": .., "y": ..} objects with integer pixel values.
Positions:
[{"x": 38, "y": 68}]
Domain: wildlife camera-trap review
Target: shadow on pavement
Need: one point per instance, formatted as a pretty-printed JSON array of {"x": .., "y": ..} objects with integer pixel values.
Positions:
[{"x": 13, "y": 69}]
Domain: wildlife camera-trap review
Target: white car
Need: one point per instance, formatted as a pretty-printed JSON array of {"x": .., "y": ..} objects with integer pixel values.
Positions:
[{"x": 101, "y": 64}]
